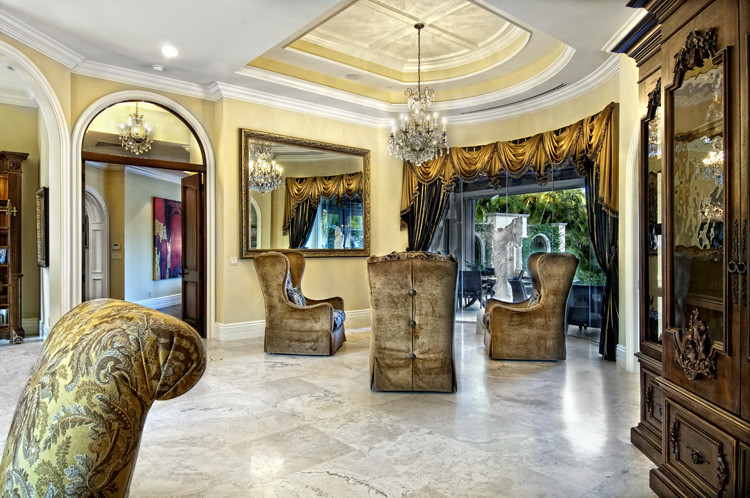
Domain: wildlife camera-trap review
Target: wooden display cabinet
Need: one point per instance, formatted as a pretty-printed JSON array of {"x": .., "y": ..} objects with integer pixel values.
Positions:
[{"x": 10, "y": 245}]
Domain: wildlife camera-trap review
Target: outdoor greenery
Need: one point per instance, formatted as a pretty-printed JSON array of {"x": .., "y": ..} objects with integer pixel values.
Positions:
[{"x": 545, "y": 208}]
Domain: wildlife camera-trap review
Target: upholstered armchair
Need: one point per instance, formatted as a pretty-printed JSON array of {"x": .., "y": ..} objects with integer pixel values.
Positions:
[
  {"x": 78, "y": 424},
  {"x": 533, "y": 329},
  {"x": 412, "y": 303},
  {"x": 296, "y": 324}
]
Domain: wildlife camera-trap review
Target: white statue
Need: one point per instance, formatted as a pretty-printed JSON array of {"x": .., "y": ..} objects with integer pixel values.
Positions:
[
  {"x": 338, "y": 239},
  {"x": 504, "y": 241}
]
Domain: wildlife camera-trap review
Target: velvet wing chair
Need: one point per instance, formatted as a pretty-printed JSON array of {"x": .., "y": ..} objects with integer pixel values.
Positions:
[
  {"x": 533, "y": 329},
  {"x": 296, "y": 324}
]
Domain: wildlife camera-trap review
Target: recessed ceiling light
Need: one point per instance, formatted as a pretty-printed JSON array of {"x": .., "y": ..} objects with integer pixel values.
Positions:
[
  {"x": 169, "y": 51},
  {"x": 157, "y": 67},
  {"x": 353, "y": 76}
]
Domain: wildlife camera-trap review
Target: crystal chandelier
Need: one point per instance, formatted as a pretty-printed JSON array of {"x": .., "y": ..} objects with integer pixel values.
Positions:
[
  {"x": 135, "y": 136},
  {"x": 264, "y": 174},
  {"x": 418, "y": 139}
]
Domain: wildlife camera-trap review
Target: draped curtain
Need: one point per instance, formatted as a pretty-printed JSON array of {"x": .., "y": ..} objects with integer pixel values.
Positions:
[
  {"x": 301, "y": 224},
  {"x": 312, "y": 188},
  {"x": 586, "y": 143}
]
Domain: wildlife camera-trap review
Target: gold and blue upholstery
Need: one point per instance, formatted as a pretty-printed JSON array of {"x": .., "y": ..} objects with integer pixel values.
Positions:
[{"x": 78, "y": 424}]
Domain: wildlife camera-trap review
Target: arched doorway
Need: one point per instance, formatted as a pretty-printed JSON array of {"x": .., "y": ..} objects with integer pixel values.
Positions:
[
  {"x": 205, "y": 171},
  {"x": 54, "y": 149}
]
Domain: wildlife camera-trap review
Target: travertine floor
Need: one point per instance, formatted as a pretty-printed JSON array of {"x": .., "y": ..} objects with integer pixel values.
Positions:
[{"x": 265, "y": 425}]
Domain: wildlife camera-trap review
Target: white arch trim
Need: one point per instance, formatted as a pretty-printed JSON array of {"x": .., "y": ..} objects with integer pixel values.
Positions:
[
  {"x": 54, "y": 300},
  {"x": 73, "y": 204},
  {"x": 254, "y": 204}
]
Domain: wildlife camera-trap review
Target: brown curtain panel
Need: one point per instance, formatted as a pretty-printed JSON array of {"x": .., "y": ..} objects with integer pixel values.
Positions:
[
  {"x": 423, "y": 219},
  {"x": 312, "y": 188},
  {"x": 603, "y": 225},
  {"x": 301, "y": 224}
]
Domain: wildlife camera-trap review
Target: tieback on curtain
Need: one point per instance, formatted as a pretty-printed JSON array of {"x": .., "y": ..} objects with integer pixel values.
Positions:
[
  {"x": 312, "y": 188},
  {"x": 587, "y": 143}
]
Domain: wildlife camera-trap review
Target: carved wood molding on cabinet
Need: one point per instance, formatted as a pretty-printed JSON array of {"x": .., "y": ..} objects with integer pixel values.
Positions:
[
  {"x": 699, "y": 45},
  {"x": 692, "y": 348}
]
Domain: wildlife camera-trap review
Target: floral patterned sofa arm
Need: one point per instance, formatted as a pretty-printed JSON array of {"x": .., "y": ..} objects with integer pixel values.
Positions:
[{"x": 78, "y": 424}]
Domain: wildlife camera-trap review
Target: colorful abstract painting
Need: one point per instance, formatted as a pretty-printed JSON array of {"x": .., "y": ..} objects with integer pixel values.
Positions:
[{"x": 167, "y": 238}]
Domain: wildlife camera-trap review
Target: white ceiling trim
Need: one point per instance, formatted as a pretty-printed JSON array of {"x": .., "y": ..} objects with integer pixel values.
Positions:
[
  {"x": 23, "y": 99},
  {"x": 601, "y": 75},
  {"x": 37, "y": 40},
  {"x": 306, "y": 86},
  {"x": 224, "y": 90},
  {"x": 142, "y": 79},
  {"x": 153, "y": 173},
  {"x": 550, "y": 71},
  {"x": 624, "y": 29},
  {"x": 325, "y": 91}
]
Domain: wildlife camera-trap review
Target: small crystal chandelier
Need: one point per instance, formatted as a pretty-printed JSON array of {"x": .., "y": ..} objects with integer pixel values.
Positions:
[
  {"x": 264, "y": 174},
  {"x": 418, "y": 140},
  {"x": 713, "y": 163},
  {"x": 135, "y": 136}
]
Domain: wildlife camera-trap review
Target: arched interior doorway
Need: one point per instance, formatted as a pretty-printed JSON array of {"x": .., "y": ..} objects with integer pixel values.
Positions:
[
  {"x": 43, "y": 297},
  {"x": 95, "y": 245},
  {"x": 172, "y": 176}
]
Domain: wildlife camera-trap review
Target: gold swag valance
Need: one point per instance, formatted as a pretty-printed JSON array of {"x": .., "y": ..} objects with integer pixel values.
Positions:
[
  {"x": 312, "y": 188},
  {"x": 589, "y": 138}
]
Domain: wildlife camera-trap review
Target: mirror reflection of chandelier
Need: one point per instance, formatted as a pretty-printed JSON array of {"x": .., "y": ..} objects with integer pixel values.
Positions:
[
  {"x": 713, "y": 164},
  {"x": 418, "y": 139},
  {"x": 135, "y": 136},
  {"x": 264, "y": 174}
]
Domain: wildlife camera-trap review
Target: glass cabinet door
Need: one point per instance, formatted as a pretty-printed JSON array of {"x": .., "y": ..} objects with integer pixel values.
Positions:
[{"x": 652, "y": 128}]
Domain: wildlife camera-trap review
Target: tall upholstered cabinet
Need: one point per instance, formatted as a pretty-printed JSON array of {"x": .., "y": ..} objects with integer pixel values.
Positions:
[
  {"x": 10, "y": 245},
  {"x": 693, "y": 59}
]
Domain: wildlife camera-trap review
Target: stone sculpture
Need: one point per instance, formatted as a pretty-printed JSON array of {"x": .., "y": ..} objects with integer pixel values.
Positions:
[{"x": 504, "y": 241}]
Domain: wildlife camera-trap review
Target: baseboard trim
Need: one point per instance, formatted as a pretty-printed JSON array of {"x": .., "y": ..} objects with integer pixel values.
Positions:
[
  {"x": 355, "y": 319},
  {"x": 358, "y": 319},
  {"x": 240, "y": 330},
  {"x": 30, "y": 326},
  {"x": 161, "y": 302},
  {"x": 620, "y": 355}
]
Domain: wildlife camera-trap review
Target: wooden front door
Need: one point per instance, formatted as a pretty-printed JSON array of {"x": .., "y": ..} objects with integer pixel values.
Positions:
[{"x": 193, "y": 255}]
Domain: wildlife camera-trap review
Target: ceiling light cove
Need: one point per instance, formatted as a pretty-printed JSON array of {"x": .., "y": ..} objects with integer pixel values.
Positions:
[{"x": 367, "y": 49}]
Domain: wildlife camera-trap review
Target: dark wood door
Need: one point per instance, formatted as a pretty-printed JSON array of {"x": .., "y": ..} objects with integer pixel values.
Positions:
[{"x": 193, "y": 255}]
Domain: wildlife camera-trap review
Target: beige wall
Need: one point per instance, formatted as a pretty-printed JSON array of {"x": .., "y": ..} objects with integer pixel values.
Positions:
[{"x": 19, "y": 132}]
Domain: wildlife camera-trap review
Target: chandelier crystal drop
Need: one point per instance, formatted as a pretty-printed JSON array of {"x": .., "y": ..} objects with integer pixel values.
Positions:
[
  {"x": 135, "y": 136},
  {"x": 264, "y": 173},
  {"x": 418, "y": 138}
]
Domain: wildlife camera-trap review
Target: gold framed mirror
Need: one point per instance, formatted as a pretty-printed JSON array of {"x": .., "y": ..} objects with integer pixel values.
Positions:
[{"x": 320, "y": 206}]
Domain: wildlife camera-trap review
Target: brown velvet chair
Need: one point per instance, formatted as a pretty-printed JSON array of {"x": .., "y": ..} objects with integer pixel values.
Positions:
[
  {"x": 412, "y": 303},
  {"x": 533, "y": 329},
  {"x": 292, "y": 328}
]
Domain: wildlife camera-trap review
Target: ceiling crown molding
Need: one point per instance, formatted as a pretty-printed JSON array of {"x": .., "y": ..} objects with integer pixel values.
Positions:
[
  {"x": 601, "y": 75},
  {"x": 142, "y": 79},
  {"x": 223, "y": 90},
  {"x": 31, "y": 37},
  {"x": 153, "y": 173},
  {"x": 23, "y": 99},
  {"x": 624, "y": 30}
]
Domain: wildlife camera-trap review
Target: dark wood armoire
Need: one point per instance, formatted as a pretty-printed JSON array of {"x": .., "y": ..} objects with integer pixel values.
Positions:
[
  {"x": 694, "y": 356},
  {"x": 10, "y": 245}
]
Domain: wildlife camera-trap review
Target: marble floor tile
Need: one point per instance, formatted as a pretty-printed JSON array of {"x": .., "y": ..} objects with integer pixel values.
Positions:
[{"x": 285, "y": 426}]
